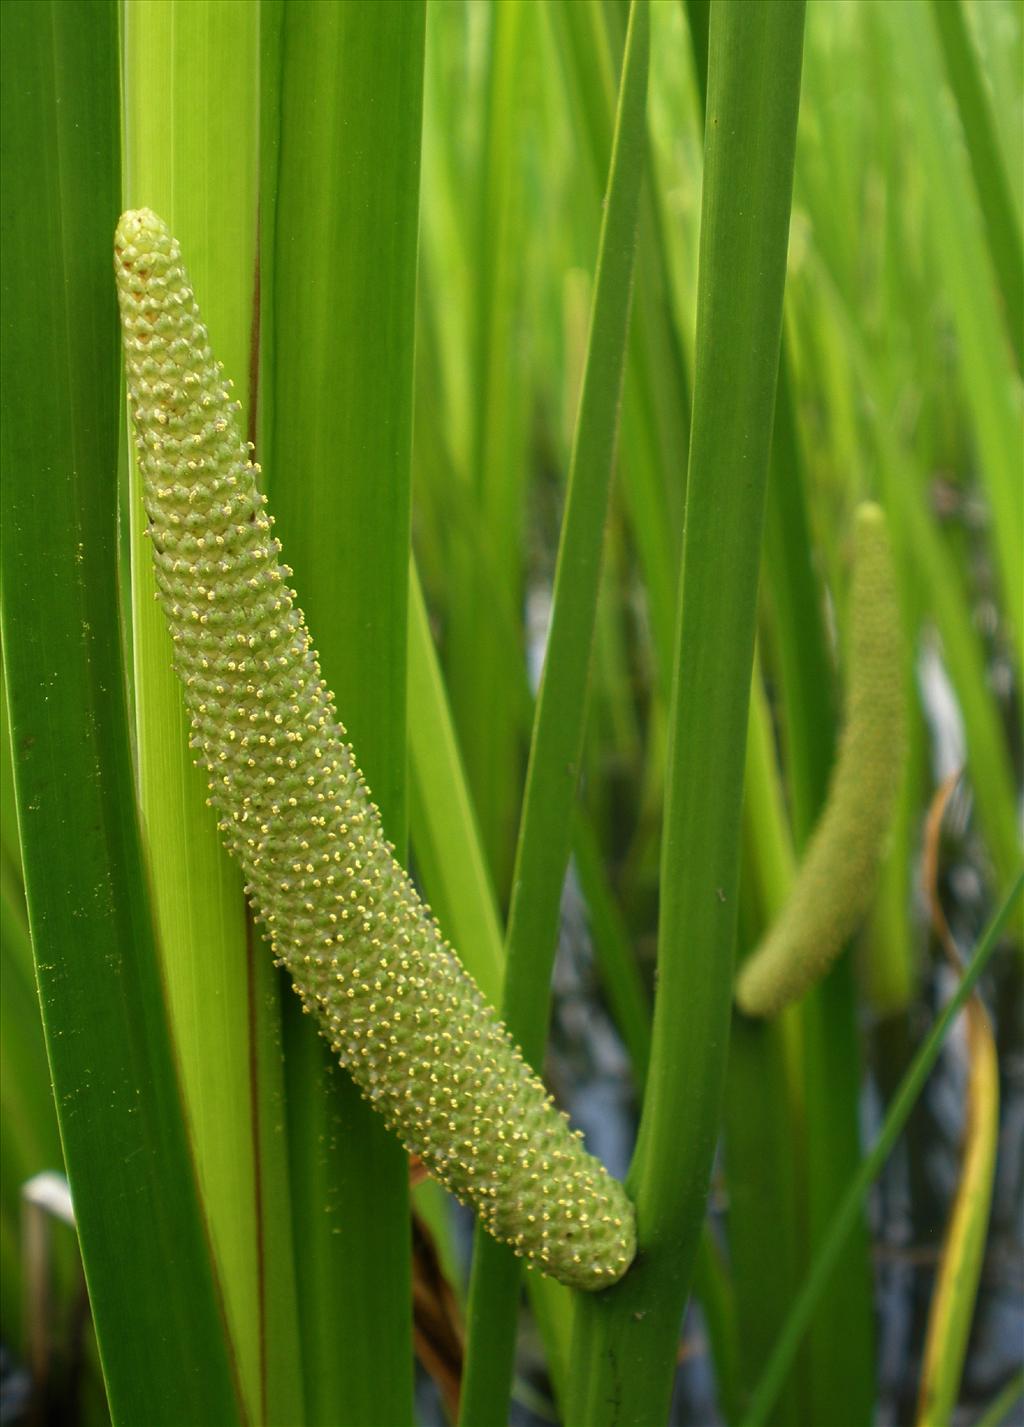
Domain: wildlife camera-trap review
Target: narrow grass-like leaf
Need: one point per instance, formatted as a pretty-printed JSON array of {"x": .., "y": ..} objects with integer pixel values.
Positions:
[
  {"x": 338, "y": 299},
  {"x": 996, "y": 1414},
  {"x": 761, "y": 1109},
  {"x": 851, "y": 1206},
  {"x": 951, "y": 1313},
  {"x": 1002, "y": 220},
  {"x": 954, "y": 1295},
  {"x": 842, "y": 1336},
  {"x": 808, "y": 714},
  {"x": 624, "y": 1341},
  {"x": 842, "y": 1341},
  {"x": 623, "y": 984},
  {"x": 990, "y": 380},
  {"x": 655, "y": 427},
  {"x": 478, "y": 665},
  {"x": 840, "y": 1347},
  {"x": 560, "y": 719},
  {"x": 154, "y": 1300}
]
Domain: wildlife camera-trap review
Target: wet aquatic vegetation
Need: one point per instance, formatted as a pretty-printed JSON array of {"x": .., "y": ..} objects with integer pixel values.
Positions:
[{"x": 420, "y": 366}]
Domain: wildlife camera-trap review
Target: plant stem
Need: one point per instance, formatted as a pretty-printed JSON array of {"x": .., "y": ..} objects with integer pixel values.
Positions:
[
  {"x": 546, "y": 829},
  {"x": 626, "y": 1339}
]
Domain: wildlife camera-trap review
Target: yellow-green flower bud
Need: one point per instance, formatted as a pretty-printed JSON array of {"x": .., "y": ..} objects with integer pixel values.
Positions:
[
  {"x": 365, "y": 955},
  {"x": 835, "y": 885}
]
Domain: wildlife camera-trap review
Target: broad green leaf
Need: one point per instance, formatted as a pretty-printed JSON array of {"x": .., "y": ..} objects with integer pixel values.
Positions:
[
  {"x": 191, "y": 95},
  {"x": 155, "y": 1301},
  {"x": 341, "y": 204}
]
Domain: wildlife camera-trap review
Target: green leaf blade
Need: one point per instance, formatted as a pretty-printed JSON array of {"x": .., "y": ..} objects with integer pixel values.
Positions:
[
  {"x": 624, "y": 1341},
  {"x": 545, "y": 834},
  {"x": 118, "y": 1100},
  {"x": 341, "y": 179}
]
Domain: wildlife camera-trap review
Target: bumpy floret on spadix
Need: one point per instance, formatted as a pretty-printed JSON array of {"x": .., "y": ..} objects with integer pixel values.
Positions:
[
  {"x": 836, "y": 882},
  {"x": 365, "y": 955}
]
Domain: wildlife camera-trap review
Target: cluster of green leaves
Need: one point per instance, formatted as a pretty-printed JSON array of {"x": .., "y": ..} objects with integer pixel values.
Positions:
[{"x": 478, "y": 313}]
